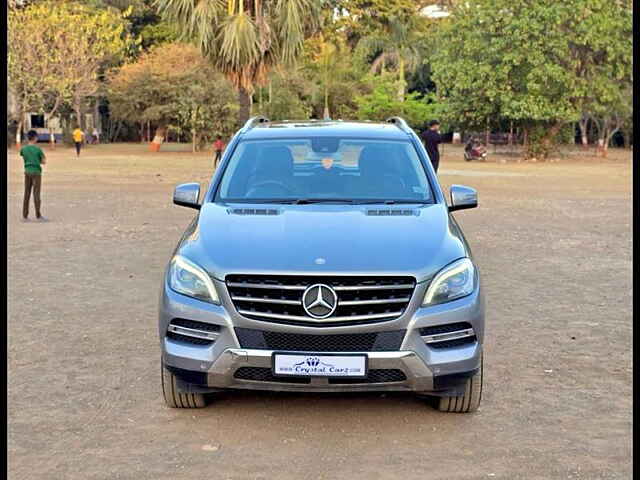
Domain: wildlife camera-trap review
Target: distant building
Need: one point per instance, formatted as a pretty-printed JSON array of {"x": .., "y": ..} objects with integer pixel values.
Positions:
[
  {"x": 43, "y": 125},
  {"x": 435, "y": 11},
  {"x": 41, "y": 122}
]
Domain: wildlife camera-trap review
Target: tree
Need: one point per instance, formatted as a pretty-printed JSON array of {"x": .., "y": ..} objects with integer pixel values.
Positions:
[
  {"x": 244, "y": 39},
  {"x": 67, "y": 46},
  {"x": 92, "y": 39},
  {"x": 358, "y": 19},
  {"x": 610, "y": 116},
  {"x": 533, "y": 63},
  {"x": 286, "y": 97},
  {"x": 333, "y": 74},
  {"x": 173, "y": 85},
  {"x": 395, "y": 45},
  {"x": 27, "y": 61},
  {"x": 383, "y": 103},
  {"x": 205, "y": 106}
]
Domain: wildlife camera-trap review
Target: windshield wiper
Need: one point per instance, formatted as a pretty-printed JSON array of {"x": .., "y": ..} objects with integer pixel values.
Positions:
[
  {"x": 304, "y": 201},
  {"x": 391, "y": 202}
]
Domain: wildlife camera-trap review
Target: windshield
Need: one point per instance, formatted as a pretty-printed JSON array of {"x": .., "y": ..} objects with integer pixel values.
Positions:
[{"x": 324, "y": 169}]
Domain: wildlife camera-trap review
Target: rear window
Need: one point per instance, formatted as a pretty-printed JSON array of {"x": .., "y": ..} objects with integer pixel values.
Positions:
[{"x": 324, "y": 168}]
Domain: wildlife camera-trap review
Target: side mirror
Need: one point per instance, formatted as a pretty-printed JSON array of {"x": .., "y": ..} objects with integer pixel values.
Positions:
[
  {"x": 187, "y": 195},
  {"x": 462, "y": 197}
]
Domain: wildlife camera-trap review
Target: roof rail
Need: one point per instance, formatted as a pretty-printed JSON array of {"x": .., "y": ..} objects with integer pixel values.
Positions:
[
  {"x": 400, "y": 123},
  {"x": 253, "y": 121}
]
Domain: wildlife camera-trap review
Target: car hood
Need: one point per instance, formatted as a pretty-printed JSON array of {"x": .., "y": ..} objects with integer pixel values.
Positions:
[{"x": 323, "y": 239}]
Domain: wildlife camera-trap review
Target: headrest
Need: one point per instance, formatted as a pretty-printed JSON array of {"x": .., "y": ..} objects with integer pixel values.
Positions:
[
  {"x": 275, "y": 161},
  {"x": 374, "y": 160}
]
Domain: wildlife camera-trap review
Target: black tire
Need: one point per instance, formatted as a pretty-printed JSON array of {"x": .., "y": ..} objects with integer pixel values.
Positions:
[
  {"x": 469, "y": 402},
  {"x": 174, "y": 398},
  {"x": 467, "y": 157}
]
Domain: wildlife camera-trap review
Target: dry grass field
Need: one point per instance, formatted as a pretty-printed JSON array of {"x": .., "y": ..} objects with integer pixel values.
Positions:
[{"x": 553, "y": 243}]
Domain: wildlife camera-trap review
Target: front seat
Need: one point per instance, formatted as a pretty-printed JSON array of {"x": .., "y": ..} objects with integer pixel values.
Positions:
[
  {"x": 378, "y": 177},
  {"x": 275, "y": 166}
]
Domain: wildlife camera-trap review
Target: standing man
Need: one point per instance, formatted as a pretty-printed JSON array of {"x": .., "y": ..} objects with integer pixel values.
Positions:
[
  {"x": 431, "y": 138},
  {"x": 78, "y": 137},
  {"x": 34, "y": 158},
  {"x": 218, "y": 147}
]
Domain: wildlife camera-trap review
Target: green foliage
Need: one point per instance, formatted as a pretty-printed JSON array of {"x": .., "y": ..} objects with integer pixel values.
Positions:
[
  {"x": 285, "y": 97},
  {"x": 396, "y": 45},
  {"x": 59, "y": 49},
  {"x": 364, "y": 18},
  {"x": 174, "y": 85},
  {"x": 244, "y": 39},
  {"x": 334, "y": 75},
  {"x": 536, "y": 63},
  {"x": 383, "y": 103}
]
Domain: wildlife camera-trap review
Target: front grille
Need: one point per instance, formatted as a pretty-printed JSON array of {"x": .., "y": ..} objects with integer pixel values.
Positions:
[
  {"x": 278, "y": 298},
  {"x": 261, "y": 374},
  {"x": 190, "y": 331},
  {"x": 299, "y": 342},
  {"x": 449, "y": 328}
]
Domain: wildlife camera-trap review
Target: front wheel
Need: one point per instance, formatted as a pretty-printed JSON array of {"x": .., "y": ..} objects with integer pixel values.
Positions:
[
  {"x": 174, "y": 398},
  {"x": 469, "y": 401},
  {"x": 467, "y": 157}
]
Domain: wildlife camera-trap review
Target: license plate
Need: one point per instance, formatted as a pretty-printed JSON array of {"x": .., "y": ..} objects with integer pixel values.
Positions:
[{"x": 321, "y": 365}]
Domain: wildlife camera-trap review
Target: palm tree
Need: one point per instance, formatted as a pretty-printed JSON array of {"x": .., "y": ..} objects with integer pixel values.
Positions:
[
  {"x": 395, "y": 45},
  {"x": 326, "y": 60},
  {"x": 244, "y": 38}
]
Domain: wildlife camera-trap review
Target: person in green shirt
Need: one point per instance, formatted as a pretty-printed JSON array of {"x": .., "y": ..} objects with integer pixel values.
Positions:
[{"x": 34, "y": 158}]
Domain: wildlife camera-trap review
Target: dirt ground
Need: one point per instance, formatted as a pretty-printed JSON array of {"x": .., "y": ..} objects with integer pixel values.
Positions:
[{"x": 553, "y": 243}]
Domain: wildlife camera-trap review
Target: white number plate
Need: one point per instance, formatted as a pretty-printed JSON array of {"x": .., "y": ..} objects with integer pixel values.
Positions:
[{"x": 320, "y": 365}]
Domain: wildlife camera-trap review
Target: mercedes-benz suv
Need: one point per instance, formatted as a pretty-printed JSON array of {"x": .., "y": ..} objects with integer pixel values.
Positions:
[{"x": 323, "y": 258}]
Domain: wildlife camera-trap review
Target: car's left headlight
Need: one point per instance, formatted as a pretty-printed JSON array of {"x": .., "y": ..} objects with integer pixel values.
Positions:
[
  {"x": 189, "y": 279},
  {"x": 455, "y": 281}
]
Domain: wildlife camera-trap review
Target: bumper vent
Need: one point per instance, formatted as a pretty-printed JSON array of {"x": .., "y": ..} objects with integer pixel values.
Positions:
[
  {"x": 190, "y": 331},
  {"x": 448, "y": 336},
  {"x": 374, "y": 376},
  {"x": 298, "y": 342},
  {"x": 278, "y": 298},
  {"x": 260, "y": 374}
]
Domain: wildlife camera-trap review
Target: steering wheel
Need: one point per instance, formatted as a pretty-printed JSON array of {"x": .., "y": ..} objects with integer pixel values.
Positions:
[{"x": 274, "y": 183}]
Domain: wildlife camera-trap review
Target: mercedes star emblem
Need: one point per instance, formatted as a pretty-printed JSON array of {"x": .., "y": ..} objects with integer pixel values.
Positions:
[{"x": 319, "y": 300}]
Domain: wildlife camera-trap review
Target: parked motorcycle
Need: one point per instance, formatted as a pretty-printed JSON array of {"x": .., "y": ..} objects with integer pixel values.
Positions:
[{"x": 474, "y": 150}]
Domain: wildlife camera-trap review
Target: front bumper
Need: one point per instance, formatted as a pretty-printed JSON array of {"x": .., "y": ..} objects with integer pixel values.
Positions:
[{"x": 202, "y": 368}]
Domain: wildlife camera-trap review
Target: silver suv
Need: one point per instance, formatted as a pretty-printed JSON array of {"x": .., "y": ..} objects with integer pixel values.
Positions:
[{"x": 323, "y": 258}]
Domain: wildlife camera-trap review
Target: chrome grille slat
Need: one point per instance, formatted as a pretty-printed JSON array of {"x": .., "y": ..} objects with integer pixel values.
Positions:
[
  {"x": 441, "y": 337},
  {"x": 266, "y": 300},
  {"x": 372, "y": 287},
  {"x": 322, "y": 320},
  {"x": 360, "y": 299},
  {"x": 375, "y": 302},
  {"x": 266, "y": 285},
  {"x": 192, "y": 332},
  {"x": 448, "y": 335}
]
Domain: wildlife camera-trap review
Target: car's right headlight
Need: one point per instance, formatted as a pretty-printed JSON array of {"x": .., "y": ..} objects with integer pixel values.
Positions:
[
  {"x": 189, "y": 279},
  {"x": 455, "y": 281}
]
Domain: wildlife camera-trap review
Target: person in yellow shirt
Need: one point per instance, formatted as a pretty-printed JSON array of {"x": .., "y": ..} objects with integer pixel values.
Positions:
[{"x": 78, "y": 137}]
